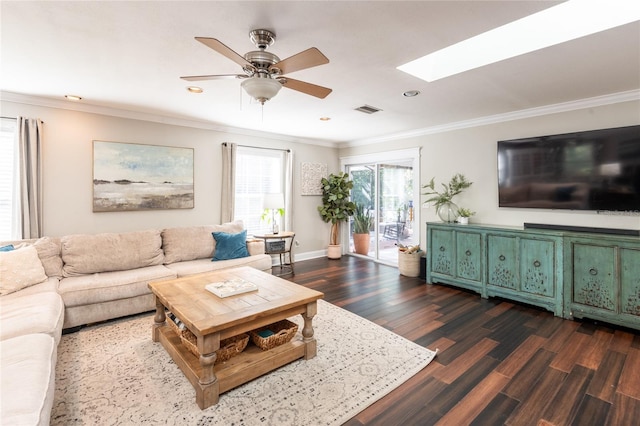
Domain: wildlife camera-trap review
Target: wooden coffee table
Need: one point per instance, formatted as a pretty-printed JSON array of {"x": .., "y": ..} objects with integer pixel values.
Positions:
[{"x": 212, "y": 319}]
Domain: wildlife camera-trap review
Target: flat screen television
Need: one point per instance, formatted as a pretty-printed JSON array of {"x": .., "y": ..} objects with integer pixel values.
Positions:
[{"x": 590, "y": 170}]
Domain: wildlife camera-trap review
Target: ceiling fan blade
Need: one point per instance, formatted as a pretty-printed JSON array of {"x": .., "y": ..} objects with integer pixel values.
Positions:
[
  {"x": 311, "y": 57},
  {"x": 225, "y": 51},
  {"x": 212, "y": 77},
  {"x": 304, "y": 87}
]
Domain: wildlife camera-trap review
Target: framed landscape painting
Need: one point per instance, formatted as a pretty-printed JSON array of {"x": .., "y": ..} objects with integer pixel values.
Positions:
[{"x": 128, "y": 177}]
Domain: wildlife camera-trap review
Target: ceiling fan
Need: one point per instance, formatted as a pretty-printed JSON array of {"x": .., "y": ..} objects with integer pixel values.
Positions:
[{"x": 263, "y": 71}]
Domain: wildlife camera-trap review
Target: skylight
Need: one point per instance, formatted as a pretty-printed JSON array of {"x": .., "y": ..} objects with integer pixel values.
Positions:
[{"x": 564, "y": 22}]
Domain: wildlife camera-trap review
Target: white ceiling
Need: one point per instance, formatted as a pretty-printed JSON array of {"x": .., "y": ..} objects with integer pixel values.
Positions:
[{"x": 129, "y": 56}]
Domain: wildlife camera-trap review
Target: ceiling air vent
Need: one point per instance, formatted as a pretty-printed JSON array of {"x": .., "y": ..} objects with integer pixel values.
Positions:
[{"x": 368, "y": 109}]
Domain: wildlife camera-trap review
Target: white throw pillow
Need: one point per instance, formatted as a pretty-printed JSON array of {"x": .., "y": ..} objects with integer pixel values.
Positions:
[{"x": 19, "y": 269}]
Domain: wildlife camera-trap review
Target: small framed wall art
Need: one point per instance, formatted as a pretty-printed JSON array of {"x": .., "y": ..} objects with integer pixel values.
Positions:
[{"x": 311, "y": 174}]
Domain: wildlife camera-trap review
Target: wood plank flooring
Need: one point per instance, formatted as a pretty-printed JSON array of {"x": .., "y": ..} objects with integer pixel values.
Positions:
[{"x": 499, "y": 362}]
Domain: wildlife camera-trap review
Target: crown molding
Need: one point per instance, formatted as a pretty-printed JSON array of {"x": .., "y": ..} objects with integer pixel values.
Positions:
[
  {"x": 614, "y": 98},
  {"x": 610, "y": 99},
  {"x": 154, "y": 118}
]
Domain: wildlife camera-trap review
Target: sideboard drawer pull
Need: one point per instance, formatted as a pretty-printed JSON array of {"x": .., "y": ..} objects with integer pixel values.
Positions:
[
  {"x": 501, "y": 257},
  {"x": 441, "y": 248},
  {"x": 536, "y": 263},
  {"x": 593, "y": 271},
  {"x": 468, "y": 252}
]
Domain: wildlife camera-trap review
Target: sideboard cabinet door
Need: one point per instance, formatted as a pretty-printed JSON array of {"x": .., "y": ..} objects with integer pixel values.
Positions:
[
  {"x": 502, "y": 261},
  {"x": 441, "y": 252},
  {"x": 605, "y": 282},
  {"x": 537, "y": 260},
  {"x": 630, "y": 280},
  {"x": 469, "y": 256},
  {"x": 594, "y": 278}
]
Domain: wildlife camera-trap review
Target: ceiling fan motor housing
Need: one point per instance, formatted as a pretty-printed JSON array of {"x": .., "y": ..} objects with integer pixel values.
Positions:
[
  {"x": 262, "y": 38},
  {"x": 261, "y": 60}
]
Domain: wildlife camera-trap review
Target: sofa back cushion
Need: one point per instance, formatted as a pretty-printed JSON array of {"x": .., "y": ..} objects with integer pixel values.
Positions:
[
  {"x": 20, "y": 268},
  {"x": 88, "y": 254},
  {"x": 48, "y": 251},
  {"x": 194, "y": 242}
]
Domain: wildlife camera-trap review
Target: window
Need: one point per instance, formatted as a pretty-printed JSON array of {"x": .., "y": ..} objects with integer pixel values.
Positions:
[
  {"x": 7, "y": 176},
  {"x": 258, "y": 172}
]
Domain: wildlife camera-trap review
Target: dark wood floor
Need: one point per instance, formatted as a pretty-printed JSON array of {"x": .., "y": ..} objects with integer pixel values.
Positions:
[{"x": 499, "y": 362}]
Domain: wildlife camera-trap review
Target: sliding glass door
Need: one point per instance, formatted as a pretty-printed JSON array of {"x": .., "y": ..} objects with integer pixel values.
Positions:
[{"x": 386, "y": 189}]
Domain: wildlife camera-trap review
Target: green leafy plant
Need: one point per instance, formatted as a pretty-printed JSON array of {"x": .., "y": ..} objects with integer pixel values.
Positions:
[
  {"x": 336, "y": 206},
  {"x": 455, "y": 186},
  {"x": 361, "y": 220},
  {"x": 464, "y": 212},
  {"x": 266, "y": 214}
]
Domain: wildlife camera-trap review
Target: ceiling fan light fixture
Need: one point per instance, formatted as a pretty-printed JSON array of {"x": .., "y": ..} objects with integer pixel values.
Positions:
[
  {"x": 261, "y": 89},
  {"x": 194, "y": 89}
]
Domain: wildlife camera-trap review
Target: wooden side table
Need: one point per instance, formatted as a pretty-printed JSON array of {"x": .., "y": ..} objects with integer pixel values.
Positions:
[{"x": 280, "y": 244}]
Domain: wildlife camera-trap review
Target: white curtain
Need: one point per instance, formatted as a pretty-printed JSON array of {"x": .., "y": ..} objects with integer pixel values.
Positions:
[
  {"x": 227, "y": 204},
  {"x": 288, "y": 190},
  {"x": 28, "y": 217}
]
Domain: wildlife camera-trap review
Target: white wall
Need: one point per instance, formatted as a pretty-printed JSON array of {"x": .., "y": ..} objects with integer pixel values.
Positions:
[
  {"x": 68, "y": 143},
  {"x": 472, "y": 151},
  {"x": 68, "y": 162}
]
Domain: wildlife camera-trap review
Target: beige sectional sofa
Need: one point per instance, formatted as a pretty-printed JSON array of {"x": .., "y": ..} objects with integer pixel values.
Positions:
[{"x": 51, "y": 284}]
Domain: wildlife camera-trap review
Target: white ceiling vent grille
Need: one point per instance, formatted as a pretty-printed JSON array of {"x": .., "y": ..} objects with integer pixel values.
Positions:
[{"x": 368, "y": 109}]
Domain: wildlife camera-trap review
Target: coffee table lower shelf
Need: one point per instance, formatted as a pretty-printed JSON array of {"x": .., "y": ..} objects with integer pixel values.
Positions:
[{"x": 253, "y": 362}]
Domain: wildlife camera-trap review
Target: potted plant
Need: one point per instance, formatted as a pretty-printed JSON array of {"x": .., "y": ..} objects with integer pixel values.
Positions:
[
  {"x": 445, "y": 208},
  {"x": 336, "y": 207},
  {"x": 361, "y": 226},
  {"x": 464, "y": 215}
]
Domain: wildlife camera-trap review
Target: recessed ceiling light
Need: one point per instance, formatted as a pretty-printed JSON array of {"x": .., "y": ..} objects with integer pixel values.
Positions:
[
  {"x": 73, "y": 97},
  {"x": 411, "y": 93},
  {"x": 325, "y": 118},
  {"x": 195, "y": 89},
  {"x": 567, "y": 21}
]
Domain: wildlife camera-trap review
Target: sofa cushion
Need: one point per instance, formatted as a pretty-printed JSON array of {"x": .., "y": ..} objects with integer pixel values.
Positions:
[
  {"x": 49, "y": 254},
  {"x": 188, "y": 243},
  {"x": 19, "y": 269},
  {"x": 195, "y": 242},
  {"x": 38, "y": 313},
  {"x": 88, "y": 254},
  {"x": 230, "y": 246},
  {"x": 191, "y": 267},
  {"x": 49, "y": 285},
  {"x": 108, "y": 286},
  {"x": 255, "y": 247},
  {"x": 28, "y": 378}
]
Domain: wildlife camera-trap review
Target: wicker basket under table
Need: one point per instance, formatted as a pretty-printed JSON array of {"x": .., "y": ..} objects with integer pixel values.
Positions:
[
  {"x": 283, "y": 331},
  {"x": 228, "y": 347}
]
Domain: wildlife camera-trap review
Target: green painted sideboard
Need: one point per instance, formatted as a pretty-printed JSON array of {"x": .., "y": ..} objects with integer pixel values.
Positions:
[
  {"x": 602, "y": 278},
  {"x": 568, "y": 273}
]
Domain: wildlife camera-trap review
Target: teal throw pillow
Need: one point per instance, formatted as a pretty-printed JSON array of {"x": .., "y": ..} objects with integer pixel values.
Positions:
[
  {"x": 230, "y": 246},
  {"x": 10, "y": 247}
]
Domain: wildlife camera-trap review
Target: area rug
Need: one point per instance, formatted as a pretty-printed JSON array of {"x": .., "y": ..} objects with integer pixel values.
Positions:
[{"x": 114, "y": 374}]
